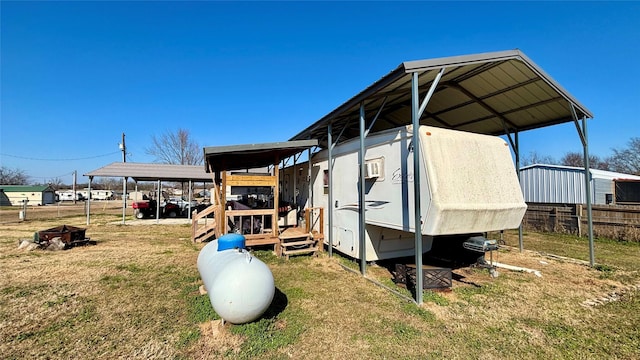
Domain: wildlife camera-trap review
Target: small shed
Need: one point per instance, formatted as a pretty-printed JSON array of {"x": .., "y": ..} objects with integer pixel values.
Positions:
[
  {"x": 556, "y": 184},
  {"x": 221, "y": 161},
  {"x": 33, "y": 194}
]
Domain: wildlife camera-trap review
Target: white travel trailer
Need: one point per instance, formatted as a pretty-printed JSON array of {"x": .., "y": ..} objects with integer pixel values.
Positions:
[
  {"x": 468, "y": 185},
  {"x": 69, "y": 195},
  {"x": 99, "y": 194}
]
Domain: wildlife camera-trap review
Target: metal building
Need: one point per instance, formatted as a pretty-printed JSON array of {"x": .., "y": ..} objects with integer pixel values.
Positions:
[
  {"x": 542, "y": 183},
  {"x": 32, "y": 194}
]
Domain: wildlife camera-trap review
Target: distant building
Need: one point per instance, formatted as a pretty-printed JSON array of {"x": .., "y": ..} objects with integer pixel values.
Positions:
[
  {"x": 4, "y": 200},
  {"x": 33, "y": 194},
  {"x": 557, "y": 184}
]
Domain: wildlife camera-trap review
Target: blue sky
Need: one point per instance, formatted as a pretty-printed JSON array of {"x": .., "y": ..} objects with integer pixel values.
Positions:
[{"x": 76, "y": 75}]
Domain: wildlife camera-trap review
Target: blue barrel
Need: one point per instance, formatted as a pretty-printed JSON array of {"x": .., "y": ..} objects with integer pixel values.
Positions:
[{"x": 231, "y": 241}]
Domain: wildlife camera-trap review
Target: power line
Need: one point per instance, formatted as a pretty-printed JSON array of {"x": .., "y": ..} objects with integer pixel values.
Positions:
[
  {"x": 51, "y": 177},
  {"x": 68, "y": 159}
]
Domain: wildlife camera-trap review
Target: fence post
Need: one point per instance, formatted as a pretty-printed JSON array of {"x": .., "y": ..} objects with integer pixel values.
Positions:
[{"x": 579, "y": 218}]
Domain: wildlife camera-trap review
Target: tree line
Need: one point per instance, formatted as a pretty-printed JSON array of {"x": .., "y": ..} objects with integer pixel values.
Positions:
[
  {"x": 623, "y": 160},
  {"x": 180, "y": 148}
]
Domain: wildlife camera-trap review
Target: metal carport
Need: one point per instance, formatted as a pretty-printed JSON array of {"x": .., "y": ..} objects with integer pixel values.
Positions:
[
  {"x": 497, "y": 93},
  {"x": 149, "y": 172}
]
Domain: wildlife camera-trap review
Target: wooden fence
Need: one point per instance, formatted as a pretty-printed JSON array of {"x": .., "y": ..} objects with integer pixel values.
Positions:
[{"x": 620, "y": 222}]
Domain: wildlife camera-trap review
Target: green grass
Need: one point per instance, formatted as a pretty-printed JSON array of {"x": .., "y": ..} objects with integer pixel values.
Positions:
[
  {"x": 136, "y": 295},
  {"x": 421, "y": 313},
  {"x": 607, "y": 251},
  {"x": 434, "y": 297},
  {"x": 268, "y": 334}
]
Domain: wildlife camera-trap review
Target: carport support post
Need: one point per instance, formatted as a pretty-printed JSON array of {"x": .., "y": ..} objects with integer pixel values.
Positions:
[
  {"x": 158, "y": 202},
  {"x": 89, "y": 201},
  {"x": 330, "y": 170},
  {"x": 417, "y": 109},
  {"x": 520, "y": 241},
  {"x": 361, "y": 202},
  {"x": 582, "y": 132},
  {"x": 124, "y": 199},
  {"x": 190, "y": 191},
  {"x": 415, "y": 120},
  {"x": 587, "y": 181}
]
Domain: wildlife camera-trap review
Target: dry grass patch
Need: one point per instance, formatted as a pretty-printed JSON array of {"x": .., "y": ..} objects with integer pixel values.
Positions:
[{"x": 135, "y": 295}]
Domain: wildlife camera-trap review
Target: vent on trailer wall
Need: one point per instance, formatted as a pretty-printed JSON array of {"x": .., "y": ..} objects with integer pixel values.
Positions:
[{"x": 374, "y": 168}]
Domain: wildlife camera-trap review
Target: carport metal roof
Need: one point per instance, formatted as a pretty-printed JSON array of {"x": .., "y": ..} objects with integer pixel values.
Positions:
[
  {"x": 240, "y": 157},
  {"x": 498, "y": 93},
  {"x": 153, "y": 172},
  {"x": 491, "y": 93}
]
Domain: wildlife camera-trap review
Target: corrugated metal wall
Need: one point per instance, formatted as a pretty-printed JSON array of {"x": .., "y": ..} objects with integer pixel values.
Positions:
[
  {"x": 552, "y": 185},
  {"x": 601, "y": 188}
]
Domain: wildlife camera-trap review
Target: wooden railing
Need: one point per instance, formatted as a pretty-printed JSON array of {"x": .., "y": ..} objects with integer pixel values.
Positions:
[
  {"x": 314, "y": 222},
  {"x": 254, "y": 223},
  {"x": 204, "y": 226}
]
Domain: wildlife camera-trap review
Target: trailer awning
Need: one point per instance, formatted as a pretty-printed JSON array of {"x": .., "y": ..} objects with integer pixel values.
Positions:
[
  {"x": 153, "y": 172},
  {"x": 491, "y": 93},
  {"x": 240, "y": 157}
]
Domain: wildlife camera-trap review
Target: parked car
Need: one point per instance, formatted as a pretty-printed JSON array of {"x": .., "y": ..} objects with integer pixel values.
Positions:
[{"x": 182, "y": 203}]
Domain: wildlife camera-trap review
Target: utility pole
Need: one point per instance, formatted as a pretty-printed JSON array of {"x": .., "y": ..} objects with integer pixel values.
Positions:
[{"x": 123, "y": 147}]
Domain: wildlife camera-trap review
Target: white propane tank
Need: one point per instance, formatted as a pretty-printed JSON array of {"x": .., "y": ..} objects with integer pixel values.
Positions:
[{"x": 240, "y": 286}]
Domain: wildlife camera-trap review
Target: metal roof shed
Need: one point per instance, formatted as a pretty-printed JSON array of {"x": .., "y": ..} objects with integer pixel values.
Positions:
[
  {"x": 153, "y": 172},
  {"x": 150, "y": 172},
  {"x": 247, "y": 156},
  {"x": 497, "y": 93},
  {"x": 543, "y": 183},
  {"x": 221, "y": 159}
]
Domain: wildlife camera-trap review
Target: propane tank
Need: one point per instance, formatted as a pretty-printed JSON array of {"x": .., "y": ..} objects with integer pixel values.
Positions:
[{"x": 240, "y": 286}]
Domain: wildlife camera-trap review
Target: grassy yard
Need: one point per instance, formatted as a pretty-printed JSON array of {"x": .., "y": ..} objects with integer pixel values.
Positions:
[{"x": 134, "y": 294}]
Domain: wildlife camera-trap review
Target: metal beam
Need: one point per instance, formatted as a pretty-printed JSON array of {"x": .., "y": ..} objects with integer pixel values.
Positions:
[
  {"x": 89, "y": 201},
  {"x": 375, "y": 118},
  {"x": 480, "y": 102},
  {"x": 346, "y": 125},
  {"x": 330, "y": 170},
  {"x": 432, "y": 89},
  {"x": 190, "y": 191},
  {"x": 310, "y": 192},
  {"x": 582, "y": 132},
  {"x": 509, "y": 112},
  {"x": 415, "y": 120},
  {"x": 361, "y": 200},
  {"x": 416, "y": 112},
  {"x": 158, "y": 202},
  {"x": 517, "y": 152},
  {"x": 295, "y": 183}
]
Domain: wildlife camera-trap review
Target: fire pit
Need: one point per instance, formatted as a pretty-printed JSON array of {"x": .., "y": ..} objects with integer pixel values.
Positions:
[{"x": 69, "y": 235}]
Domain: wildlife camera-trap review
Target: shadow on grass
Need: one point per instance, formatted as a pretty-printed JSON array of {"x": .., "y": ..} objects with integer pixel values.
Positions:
[{"x": 278, "y": 305}]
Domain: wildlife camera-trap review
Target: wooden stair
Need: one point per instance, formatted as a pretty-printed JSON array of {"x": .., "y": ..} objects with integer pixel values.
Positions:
[
  {"x": 203, "y": 226},
  {"x": 296, "y": 241}
]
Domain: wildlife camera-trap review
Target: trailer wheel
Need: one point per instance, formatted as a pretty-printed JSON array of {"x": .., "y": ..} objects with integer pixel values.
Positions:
[{"x": 139, "y": 214}]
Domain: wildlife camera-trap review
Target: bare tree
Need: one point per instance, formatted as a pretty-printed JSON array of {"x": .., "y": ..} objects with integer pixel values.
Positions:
[
  {"x": 13, "y": 176},
  {"x": 627, "y": 160},
  {"x": 535, "y": 158},
  {"x": 175, "y": 148},
  {"x": 56, "y": 183},
  {"x": 109, "y": 183},
  {"x": 577, "y": 160}
]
